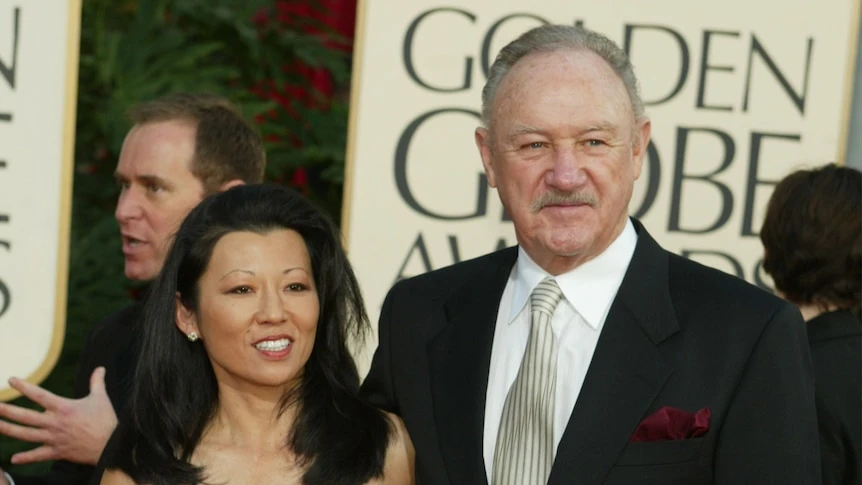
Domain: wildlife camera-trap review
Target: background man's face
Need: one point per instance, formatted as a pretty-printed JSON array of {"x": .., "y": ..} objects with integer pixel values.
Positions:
[
  {"x": 563, "y": 150},
  {"x": 158, "y": 190}
]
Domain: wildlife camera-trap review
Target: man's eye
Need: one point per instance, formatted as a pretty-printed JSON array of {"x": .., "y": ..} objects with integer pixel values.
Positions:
[
  {"x": 595, "y": 143},
  {"x": 154, "y": 188},
  {"x": 534, "y": 145}
]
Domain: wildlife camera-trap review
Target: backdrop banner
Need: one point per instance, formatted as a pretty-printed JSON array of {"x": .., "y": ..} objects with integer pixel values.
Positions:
[
  {"x": 737, "y": 100},
  {"x": 38, "y": 91}
]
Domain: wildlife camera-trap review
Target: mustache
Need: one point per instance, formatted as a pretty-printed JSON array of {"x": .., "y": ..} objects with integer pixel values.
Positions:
[{"x": 555, "y": 197}]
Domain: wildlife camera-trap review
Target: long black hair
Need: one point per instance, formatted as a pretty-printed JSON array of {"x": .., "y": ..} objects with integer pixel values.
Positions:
[{"x": 339, "y": 438}]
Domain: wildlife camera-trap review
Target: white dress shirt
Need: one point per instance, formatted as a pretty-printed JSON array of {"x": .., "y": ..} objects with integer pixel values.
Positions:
[{"x": 588, "y": 292}]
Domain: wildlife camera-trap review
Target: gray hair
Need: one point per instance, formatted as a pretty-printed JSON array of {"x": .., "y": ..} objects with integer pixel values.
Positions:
[{"x": 549, "y": 38}]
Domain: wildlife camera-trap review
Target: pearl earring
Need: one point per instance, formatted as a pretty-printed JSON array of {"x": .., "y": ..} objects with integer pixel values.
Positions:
[{"x": 193, "y": 337}]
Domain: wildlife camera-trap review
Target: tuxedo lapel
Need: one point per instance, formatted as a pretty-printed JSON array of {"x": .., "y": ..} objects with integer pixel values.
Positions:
[
  {"x": 459, "y": 361},
  {"x": 626, "y": 373}
]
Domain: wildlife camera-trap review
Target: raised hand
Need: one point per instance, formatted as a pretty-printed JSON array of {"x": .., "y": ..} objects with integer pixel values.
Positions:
[{"x": 68, "y": 429}]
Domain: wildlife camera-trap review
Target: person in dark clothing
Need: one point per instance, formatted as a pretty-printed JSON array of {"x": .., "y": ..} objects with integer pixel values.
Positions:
[
  {"x": 812, "y": 238},
  {"x": 180, "y": 149}
]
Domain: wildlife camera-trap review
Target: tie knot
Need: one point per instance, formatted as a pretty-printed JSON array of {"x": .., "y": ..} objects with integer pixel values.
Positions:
[{"x": 546, "y": 296}]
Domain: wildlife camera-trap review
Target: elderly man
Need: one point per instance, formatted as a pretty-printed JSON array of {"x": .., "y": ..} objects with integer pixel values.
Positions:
[
  {"x": 180, "y": 149},
  {"x": 588, "y": 354}
]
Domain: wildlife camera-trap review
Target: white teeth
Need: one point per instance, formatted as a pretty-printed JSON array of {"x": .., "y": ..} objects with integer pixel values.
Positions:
[{"x": 273, "y": 345}]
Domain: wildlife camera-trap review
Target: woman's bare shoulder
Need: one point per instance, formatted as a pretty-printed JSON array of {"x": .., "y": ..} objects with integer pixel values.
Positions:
[
  {"x": 398, "y": 469},
  {"x": 116, "y": 477},
  {"x": 400, "y": 456}
]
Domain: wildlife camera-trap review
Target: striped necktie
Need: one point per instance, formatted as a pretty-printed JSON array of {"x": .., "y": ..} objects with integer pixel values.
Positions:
[{"x": 524, "y": 452}]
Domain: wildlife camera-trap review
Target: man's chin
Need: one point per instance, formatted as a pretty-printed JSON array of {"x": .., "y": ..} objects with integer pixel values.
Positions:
[
  {"x": 574, "y": 246},
  {"x": 137, "y": 273},
  {"x": 568, "y": 241}
]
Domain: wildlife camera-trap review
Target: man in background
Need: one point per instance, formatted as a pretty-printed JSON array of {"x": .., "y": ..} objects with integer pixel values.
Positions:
[{"x": 180, "y": 149}]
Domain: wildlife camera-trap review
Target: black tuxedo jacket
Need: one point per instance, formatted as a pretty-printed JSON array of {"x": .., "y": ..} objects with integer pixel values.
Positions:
[
  {"x": 112, "y": 344},
  {"x": 677, "y": 334}
]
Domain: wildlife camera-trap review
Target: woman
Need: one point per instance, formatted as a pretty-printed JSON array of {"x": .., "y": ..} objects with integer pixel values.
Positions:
[
  {"x": 812, "y": 236},
  {"x": 245, "y": 376}
]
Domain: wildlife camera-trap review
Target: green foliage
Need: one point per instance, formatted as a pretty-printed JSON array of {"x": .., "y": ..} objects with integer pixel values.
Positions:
[{"x": 133, "y": 51}]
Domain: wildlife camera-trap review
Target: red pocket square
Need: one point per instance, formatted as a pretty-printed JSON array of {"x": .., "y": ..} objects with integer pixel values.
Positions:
[{"x": 672, "y": 424}]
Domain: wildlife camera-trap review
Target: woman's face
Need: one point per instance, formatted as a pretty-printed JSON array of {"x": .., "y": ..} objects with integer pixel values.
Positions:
[{"x": 257, "y": 309}]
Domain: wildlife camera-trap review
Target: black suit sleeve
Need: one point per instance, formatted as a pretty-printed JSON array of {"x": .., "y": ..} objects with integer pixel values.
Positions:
[
  {"x": 65, "y": 472},
  {"x": 377, "y": 387},
  {"x": 770, "y": 432}
]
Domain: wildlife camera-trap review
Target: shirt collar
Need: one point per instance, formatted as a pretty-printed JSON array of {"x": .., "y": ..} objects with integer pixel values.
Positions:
[{"x": 590, "y": 288}]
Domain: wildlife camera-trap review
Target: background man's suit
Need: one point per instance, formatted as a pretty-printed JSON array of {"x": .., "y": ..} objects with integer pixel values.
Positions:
[{"x": 678, "y": 334}]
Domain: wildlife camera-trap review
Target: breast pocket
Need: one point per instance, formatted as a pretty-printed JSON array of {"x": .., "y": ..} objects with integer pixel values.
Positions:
[
  {"x": 661, "y": 452},
  {"x": 662, "y": 462}
]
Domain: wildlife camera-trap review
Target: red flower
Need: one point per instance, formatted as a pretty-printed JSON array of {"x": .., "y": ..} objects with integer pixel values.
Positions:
[{"x": 299, "y": 180}]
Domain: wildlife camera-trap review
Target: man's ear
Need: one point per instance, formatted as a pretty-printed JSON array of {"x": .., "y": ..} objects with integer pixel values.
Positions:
[
  {"x": 230, "y": 184},
  {"x": 185, "y": 318},
  {"x": 483, "y": 143}
]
